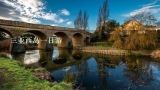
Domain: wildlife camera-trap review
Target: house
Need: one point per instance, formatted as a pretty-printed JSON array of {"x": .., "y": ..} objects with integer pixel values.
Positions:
[{"x": 133, "y": 25}]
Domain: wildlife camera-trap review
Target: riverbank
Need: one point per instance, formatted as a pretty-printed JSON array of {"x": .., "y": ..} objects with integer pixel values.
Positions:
[
  {"x": 13, "y": 76},
  {"x": 113, "y": 51}
]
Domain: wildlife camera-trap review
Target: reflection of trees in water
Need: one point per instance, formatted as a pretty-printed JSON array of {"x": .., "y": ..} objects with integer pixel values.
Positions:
[
  {"x": 19, "y": 57},
  {"x": 45, "y": 57},
  {"x": 138, "y": 71},
  {"x": 63, "y": 53},
  {"x": 105, "y": 63},
  {"x": 157, "y": 65},
  {"x": 69, "y": 77},
  {"x": 77, "y": 55},
  {"x": 113, "y": 61},
  {"x": 65, "y": 58},
  {"x": 109, "y": 61},
  {"x": 102, "y": 73},
  {"x": 83, "y": 68}
]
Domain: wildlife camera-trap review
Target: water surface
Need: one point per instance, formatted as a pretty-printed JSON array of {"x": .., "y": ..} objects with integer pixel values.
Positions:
[{"x": 90, "y": 72}]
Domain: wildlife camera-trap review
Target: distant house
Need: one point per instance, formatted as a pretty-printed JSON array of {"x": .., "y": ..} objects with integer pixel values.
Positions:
[{"x": 133, "y": 25}]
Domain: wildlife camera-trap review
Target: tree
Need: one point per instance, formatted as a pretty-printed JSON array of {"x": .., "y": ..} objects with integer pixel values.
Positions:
[
  {"x": 111, "y": 25},
  {"x": 146, "y": 18},
  {"x": 102, "y": 18},
  {"x": 81, "y": 22},
  {"x": 103, "y": 14}
]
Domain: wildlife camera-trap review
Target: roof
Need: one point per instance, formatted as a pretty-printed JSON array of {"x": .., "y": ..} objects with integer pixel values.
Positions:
[{"x": 132, "y": 25}]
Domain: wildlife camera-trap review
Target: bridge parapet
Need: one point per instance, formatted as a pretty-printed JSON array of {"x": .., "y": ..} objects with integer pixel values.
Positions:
[{"x": 30, "y": 25}]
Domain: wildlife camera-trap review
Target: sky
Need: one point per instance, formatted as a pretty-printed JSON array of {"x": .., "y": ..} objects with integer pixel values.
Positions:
[{"x": 63, "y": 12}]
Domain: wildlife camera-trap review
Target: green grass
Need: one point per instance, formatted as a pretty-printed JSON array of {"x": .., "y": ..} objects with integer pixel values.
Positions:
[
  {"x": 103, "y": 44},
  {"x": 14, "y": 76}
]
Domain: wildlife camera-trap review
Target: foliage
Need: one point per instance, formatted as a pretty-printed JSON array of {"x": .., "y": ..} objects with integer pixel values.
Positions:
[
  {"x": 118, "y": 43},
  {"x": 104, "y": 34},
  {"x": 115, "y": 35},
  {"x": 135, "y": 40},
  {"x": 17, "y": 77},
  {"x": 111, "y": 25},
  {"x": 146, "y": 40},
  {"x": 81, "y": 22}
]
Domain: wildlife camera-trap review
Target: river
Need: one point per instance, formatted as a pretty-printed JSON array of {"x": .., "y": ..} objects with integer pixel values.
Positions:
[{"x": 93, "y": 72}]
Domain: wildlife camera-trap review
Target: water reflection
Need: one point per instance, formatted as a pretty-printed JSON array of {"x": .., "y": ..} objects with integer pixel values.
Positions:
[
  {"x": 77, "y": 55},
  {"x": 97, "y": 73},
  {"x": 112, "y": 73},
  {"x": 31, "y": 57},
  {"x": 138, "y": 72},
  {"x": 55, "y": 54}
]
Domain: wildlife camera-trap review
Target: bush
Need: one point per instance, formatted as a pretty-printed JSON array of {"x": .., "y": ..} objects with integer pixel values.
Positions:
[{"x": 136, "y": 40}]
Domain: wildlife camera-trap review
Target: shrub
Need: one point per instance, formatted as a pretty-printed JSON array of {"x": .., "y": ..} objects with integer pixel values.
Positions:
[{"x": 135, "y": 40}]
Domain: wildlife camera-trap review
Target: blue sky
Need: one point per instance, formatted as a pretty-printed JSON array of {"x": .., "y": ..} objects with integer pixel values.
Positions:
[{"x": 63, "y": 12}]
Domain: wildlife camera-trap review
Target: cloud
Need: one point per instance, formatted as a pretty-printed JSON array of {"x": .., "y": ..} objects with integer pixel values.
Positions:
[
  {"x": 54, "y": 25},
  {"x": 69, "y": 23},
  {"x": 65, "y": 12},
  {"x": 6, "y": 18},
  {"x": 32, "y": 11},
  {"x": 153, "y": 8}
]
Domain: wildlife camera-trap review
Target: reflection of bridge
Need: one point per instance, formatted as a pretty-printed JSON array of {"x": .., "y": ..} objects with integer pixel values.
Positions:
[{"x": 43, "y": 32}]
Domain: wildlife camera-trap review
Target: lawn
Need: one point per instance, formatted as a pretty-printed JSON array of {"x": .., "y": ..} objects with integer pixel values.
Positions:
[
  {"x": 102, "y": 44},
  {"x": 14, "y": 76}
]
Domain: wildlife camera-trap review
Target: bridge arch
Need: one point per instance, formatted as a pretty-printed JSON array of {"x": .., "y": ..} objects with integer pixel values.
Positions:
[
  {"x": 64, "y": 39},
  {"x": 41, "y": 36},
  {"x": 77, "y": 40},
  {"x": 6, "y": 32},
  {"x": 5, "y": 40}
]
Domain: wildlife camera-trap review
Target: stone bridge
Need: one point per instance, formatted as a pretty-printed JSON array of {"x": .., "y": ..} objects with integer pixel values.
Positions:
[{"x": 43, "y": 32}]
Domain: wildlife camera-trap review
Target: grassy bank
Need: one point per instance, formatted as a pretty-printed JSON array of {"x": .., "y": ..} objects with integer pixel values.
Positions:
[
  {"x": 14, "y": 76},
  {"x": 102, "y": 44},
  {"x": 114, "y": 51}
]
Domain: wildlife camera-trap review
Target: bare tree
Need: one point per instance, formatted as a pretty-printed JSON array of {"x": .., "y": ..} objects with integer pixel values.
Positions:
[
  {"x": 81, "y": 21},
  {"x": 103, "y": 14},
  {"x": 102, "y": 18},
  {"x": 146, "y": 18}
]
